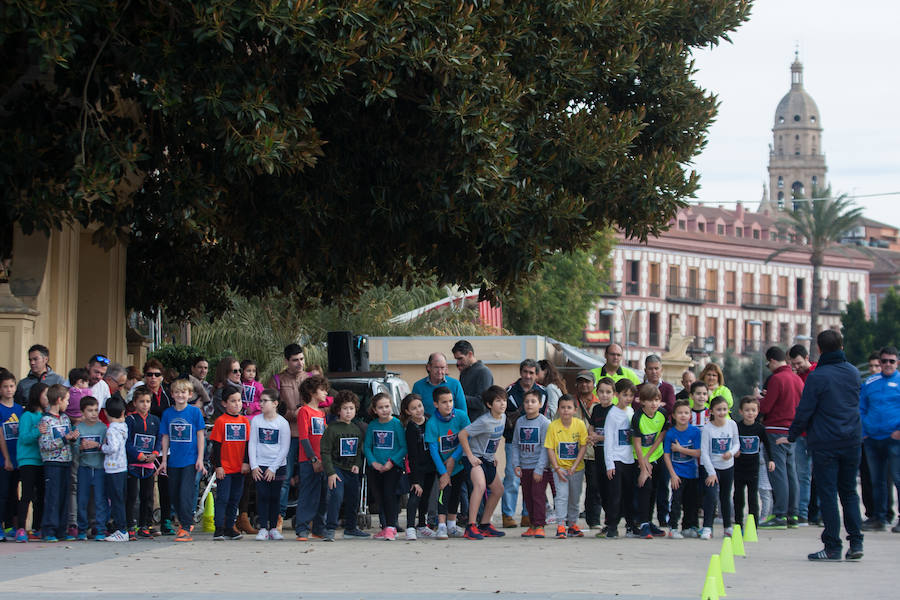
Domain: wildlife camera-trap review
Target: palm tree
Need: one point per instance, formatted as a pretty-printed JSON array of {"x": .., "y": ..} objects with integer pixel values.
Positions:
[{"x": 813, "y": 227}]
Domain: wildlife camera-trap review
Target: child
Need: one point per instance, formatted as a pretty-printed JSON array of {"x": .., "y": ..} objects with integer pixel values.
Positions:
[
  {"x": 116, "y": 466},
  {"x": 566, "y": 443},
  {"x": 57, "y": 438},
  {"x": 10, "y": 412},
  {"x": 270, "y": 441},
  {"x": 648, "y": 427},
  {"x": 31, "y": 466},
  {"x": 79, "y": 379},
  {"x": 229, "y": 457},
  {"x": 699, "y": 404},
  {"x": 746, "y": 463},
  {"x": 605, "y": 391},
  {"x": 619, "y": 457},
  {"x": 479, "y": 442},
  {"x": 385, "y": 449},
  {"x": 682, "y": 451},
  {"x": 445, "y": 453},
  {"x": 719, "y": 443},
  {"x": 342, "y": 459},
  {"x": 183, "y": 444},
  {"x": 310, "y": 429},
  {"x": 142, "y": 447},
  {"x": 253, "y": 389},
  {"x": 421, "y": 467},
  {"x": 91, "y": 475},
  {"x": 529, "y": 459}
]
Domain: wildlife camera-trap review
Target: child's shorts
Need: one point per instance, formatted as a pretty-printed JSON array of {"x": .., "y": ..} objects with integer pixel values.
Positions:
[{"x": 489, "y": 468}]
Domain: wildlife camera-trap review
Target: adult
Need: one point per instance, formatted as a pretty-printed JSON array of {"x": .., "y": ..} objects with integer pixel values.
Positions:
[
  {"x": 807, "y": 504},
  {"x": 828, "y": 413},
  {"x": 436, "y": 367},
  {"x": 514, "y": 396},
  {"x": 203, "y": 390},
  {"x": 97, "y": 366},
  {"x": 288, "y": 385},
  {"x": 714, "y": 379},
  {"x": 586, "y": 398},
  {"x": 115, "y": 378},
  {"x": 777, "y": 408},
  {"x": 474, "y": 376},
  {"x": 653, "y": 376},
  {"x": 879, "y": 407},
  {"x": 39, "y": 372},
  {"x": 687, "y": 378},
  {"x": 613, "y": 367},
  {"x": 160, "y": 400},
  {"x": 552, "y": 381},
  {"x": 132, "y": 380},
  {"x": 228, "y": 374}
]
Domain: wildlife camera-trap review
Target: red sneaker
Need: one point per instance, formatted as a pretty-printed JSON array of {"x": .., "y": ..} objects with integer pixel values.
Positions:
[{"x": 488, "y": 530}]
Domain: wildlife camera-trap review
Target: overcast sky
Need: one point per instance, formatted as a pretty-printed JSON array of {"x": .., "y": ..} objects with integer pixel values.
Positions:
[{"x": 850, "y": 68}]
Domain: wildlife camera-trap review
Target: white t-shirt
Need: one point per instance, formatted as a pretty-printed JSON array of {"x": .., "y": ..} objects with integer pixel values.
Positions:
[
  {"x": 100, "y": 391},
  {"x": 270, "y": 442}
]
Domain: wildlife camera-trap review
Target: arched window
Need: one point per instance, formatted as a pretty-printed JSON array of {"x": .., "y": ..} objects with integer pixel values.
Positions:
[{"x": 780, "y": 182}]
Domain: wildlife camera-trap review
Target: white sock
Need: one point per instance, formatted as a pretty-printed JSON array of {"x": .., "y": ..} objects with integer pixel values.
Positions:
[
  {"x": 442, "y": 525},
  {"x": 451, "y": 524}
]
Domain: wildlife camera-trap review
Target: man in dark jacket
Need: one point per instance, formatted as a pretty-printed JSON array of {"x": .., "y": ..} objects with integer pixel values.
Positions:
[
  {"x": 829, "y": 414},
  {"x": 474, "y": 377}
]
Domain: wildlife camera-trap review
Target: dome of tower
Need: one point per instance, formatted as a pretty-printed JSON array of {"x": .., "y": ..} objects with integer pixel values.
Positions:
[{"x": 797, "y": 108}]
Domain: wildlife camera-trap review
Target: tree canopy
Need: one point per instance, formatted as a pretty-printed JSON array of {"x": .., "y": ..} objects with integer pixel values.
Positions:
[{"x": 322, "y": 146}]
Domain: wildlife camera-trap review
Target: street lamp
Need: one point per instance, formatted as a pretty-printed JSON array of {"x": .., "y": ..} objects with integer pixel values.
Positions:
[
  {"x": 755, "y": 323},
  {"x": 608, "y": 312}
]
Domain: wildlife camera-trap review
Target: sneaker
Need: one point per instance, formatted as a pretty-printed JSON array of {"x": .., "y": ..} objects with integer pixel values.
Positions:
[
  {"x": 145, "y": 533},
  {"x": 690, "y": 532},
  {"x": 528, "y": 532},
  {"x": 873, "y": 525},
  {"x": 183, "y": 536},
  {"x": 262, "y": 535},
  {"x": 69, "y": 538},
  {"x": 425, "y": 532},
  {"x": 574, "y": 531},
  {"x": 455, "y": 532},
  {"x": 825, "y": 556},
  {"x": 509, "y": 522},
  {"x": 728, "y": 531},
  {"x": 390, "y": 534},
  {"x": 656, "y": 531},
  {"x": 645, "y": 532},
  {"x": 117, "y": 536},
  {"x": 318, "y": 535},
  {"x": 231, "y": 534},
  {"x": 472, "y": 533},
  {"x": 34, "y": 536},
  {"x": 275, "y": 534},
  {"x": 706, "y": 533},
  {"x": 132, "y": 535},
  {"x": 488, "y": 530},
  {"x": 411, "y": 534},
  {"x": 100, "y": 537},
  {"x": 612, "y": 534},
  {"x": 773, "y": 522},
  {"x": 380, "y": 535},
  {"x": 539, "y": 533},
  {"x": 802, "y": 522},
  {"x": 675, "y": 534},
  {"x": 302, "y": 536},
  {"x": 9, "y": 533},
  {"x": 21, "y": 536},
  {"x": 71, "y": 532},
  {"x": 166, "y": 527},
  {"x": 894, "y": 529},
  {"x": 560, "y": 532},
  {"x": 631, "y": 533},
  {"x": 791, "y": 522},
  {"x": 595, "y": 526},
  {"x": 82, "y": 536},
  {"x": 442, "y": 532},
  {"x": 328, "y": 537},
  {"x": 52, "y": 539},
  {"x": 356, "y": 533},
  {"x": 854, "y": 553},
  {"x": 219, "y": 535}
]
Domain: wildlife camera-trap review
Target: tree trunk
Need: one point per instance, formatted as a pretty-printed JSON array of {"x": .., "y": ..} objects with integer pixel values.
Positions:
[{"x": 814, "y": 307}]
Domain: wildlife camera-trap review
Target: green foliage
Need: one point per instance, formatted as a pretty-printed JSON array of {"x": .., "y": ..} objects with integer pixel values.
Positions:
[
  {"x": 741, "y": 375},
  {"x": 887, "y": 328},
  {"x": 321, "y": 147},
  {"x": 858, "y": 332},
  {"x": 176, "y": 356}
]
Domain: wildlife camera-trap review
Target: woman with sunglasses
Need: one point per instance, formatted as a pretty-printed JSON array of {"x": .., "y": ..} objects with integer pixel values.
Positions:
[
  {"x": 160, "y": 400},
  {"x": 228, "y": 373}
]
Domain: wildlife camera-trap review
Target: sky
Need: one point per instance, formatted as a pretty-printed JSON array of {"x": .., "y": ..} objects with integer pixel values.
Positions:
[{"x": 850, "y": 68}]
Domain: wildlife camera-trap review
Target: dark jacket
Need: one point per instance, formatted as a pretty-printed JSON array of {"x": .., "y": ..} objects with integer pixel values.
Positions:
[
  {"x": 148, "y": 430},
  {"x": 514, "y": 396},
  {"x": 829, "y": 408},
  {"x": 475, "y": 380},
  {"x": 420, "y": 462}
]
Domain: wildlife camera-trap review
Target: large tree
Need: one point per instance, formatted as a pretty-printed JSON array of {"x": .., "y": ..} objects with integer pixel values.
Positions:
[{"x": 321, "y": 146}]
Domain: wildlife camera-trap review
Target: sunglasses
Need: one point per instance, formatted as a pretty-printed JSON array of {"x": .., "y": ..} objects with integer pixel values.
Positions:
[
  {"x": 235, "y": 371},
  {"x": 887, "y": 361},
  {"x": 153, "y": 374},
  {"x": 99, "y": 358}
]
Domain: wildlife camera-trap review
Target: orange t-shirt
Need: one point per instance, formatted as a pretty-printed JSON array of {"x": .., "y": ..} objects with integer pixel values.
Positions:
[
  {"x": 233, "y": 432},
  {"x": 310, "y": 426}
]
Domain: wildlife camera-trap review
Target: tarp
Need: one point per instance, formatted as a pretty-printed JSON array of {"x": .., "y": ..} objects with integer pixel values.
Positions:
[{"x": 579, "y": 357}]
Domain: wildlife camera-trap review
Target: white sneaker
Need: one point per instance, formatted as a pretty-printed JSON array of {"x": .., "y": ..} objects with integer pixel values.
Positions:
[
  {"x": 274, "y": 534},
  {"x": 116, "y": 536},
  {"x": 729, "y": 531},
  {"x": 411, "y": 533},
  {"x": 675, "y": 534},
  {"x": 425, "y": 532},
  {"x": 456, "y": 532},
  {"x": 263, "y": 535},
  {"x": 442, "y": 533},
  {"x": 706, "y": 533}
]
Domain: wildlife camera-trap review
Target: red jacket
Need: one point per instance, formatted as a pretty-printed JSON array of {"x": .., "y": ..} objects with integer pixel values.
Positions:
[{"x": 778, "y": 406}]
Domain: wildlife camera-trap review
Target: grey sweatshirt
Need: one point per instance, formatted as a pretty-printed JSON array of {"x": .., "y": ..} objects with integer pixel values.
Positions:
[{"x": 527, "y": 450}]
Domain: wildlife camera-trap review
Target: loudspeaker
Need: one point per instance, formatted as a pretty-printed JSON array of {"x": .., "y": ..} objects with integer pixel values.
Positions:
[
  {"x": 361, "y": 352},
  {"x": 340, "y": 351}
]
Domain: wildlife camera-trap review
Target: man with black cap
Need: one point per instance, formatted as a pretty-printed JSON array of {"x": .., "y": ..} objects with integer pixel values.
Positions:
[{"x": 584, "y": 393}]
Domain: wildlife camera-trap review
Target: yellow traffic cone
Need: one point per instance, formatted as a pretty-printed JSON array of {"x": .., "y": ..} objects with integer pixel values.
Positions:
[
  {"x": 737, "y": 541},
  {"x": 726, "y": 556},
  {"x": 750, "y": 533},
  {"x": 714, "y": 571},
  {"x": 710, "y": 589},
  {"x": 209, "y": 515}
]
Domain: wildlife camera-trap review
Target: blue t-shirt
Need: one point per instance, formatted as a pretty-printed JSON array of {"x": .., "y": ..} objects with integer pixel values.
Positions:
[
  {"x": 444, "y": 436},
  {"x": 685, "y": 466},
  {"x": 425, "y": 388},
  {"x": 9, "y": 420},
  {"x": 182, "y": 427}
]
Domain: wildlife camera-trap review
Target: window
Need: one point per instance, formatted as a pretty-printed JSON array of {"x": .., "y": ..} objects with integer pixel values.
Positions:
[
  {"x": 765, "y": 284},
  {"x": 730, "y": 329},
  {"x": 812, "y": 118},
  {"x": 654, "y": 280},
  {"x": 730, "y": 287},
  {"x": 693, "y": 326},
  {"x": 797, "y": 118},
  {"x": 783, "y": 333},
  {"x": 748, "y": 288},
  {"x": 815, "y": 179},
  {"x": 701, "y": 226},
  {"x": 773, "y": 235},
  {"x": 796, "y": 137},
  {"x": 796, "y": 150},
  {"x": 780, "y": 198},
  {"x": 782, "y": 291},
  {"x": 653, "y": 329},
  {"x": 739, "y": 232},
  {"x": 693, "y": 283},
  {"x": 781, "y": 119},
  {"x": 720, "y": 229},
  {"x": 756, "y": 234},
  {"x": 712, "y": 330},
  {"x": 682, "y": 224},
  {"x": 632, "y": 277},
  {"x": 780, "y": 182},
  {"x": 854, "y": 291},
  {"x": 674, "y": 280},
  {"x": 712, "y": 285},
  {"x": 767, "y": 331},
  {"x": 801, "y": 293}
]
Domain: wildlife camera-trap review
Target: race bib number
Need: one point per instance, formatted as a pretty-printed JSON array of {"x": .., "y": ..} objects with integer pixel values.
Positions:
[
  {"x": 384, "y": 440},
  {"x": 491, "y": 446},
  {"x": 448, "y": 443},
  {"x": 59, "y": 431},
  {"x": 349, "y": 446},
  {"x": 624, "y": 437},
  {"x": 683, "y": 458},
  {"x": 11, "y": 430},
  {"x": 528, "y": 435},
  {"x": 235, "y": 432},
  {"x": 720, "y": 445},
  {"x": 317, "y": 425},
  {"x": 568, "y": 450},
  {"x": 91, "y": 438},
  {"x": 647, "y": 439},
  {"x": 268, "y": 436},
  {"x": 144, "y": 443},
  {"x": 181, "y": 432},
  {"x": 749, "y": 444}
]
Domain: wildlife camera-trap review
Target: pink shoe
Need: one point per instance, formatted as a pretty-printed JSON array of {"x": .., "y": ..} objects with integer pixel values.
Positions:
[
  {"x": 381, "y": 535},
  {"x": 390, "y": 534}
]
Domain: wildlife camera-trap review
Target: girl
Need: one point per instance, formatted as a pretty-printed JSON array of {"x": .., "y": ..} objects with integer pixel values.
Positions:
[
  {"x": 253, "y": 389},
  {"x": 385, "y": 449},
  {"x": 718, "y": 445},
  {"x": 421, "y": 467},
  {"x": 555, "y": 385},
  {"x": 270, "y": 440},
  {"x": 31, "y": 467}
]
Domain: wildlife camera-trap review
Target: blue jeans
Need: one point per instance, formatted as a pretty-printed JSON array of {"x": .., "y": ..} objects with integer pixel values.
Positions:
[
  {"x": 116, "y": 484},
  {"x": 57, "y": 477},
  {"x": 884, "y": 458},
  {"x": 784, "y": 477},
  {"x": 803, "y": 468},
  {"x": 510, "y": 486},
  {"x": 346, "y": 494},
  {"x": 228, "y": 494},
  {"x": 835, "y": 472},
  {"x": 310, "y": 500},
  {"x": 183, "y": 492},
  {"x": 290, "y": 470},
  {"x": 90, "y": 479}
]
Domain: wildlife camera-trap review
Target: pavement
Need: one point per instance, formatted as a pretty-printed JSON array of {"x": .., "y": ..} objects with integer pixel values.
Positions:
[{"x": 512, "y": 567}]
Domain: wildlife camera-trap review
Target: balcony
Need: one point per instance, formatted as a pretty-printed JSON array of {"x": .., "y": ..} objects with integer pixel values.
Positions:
[
  {"x": 654, "y": 290},
  {"x": 832, "y": 306},
  {"x": 686, "y": 295},
  {"x": 632, "y": 288},
  {"x": 752, "y": 346},
  {"x": 763, "y": 301},
  {"x": 730, "y": 297},
  {"x": 611, "y": 289},
  {"x": 730, "y": 344},
  {"x": 712, "y": 296},
  {"x": 653, "y": 339}
]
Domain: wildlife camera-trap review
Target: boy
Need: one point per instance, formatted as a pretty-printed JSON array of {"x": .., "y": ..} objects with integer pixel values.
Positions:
[
  {"x": 79, "y": 380},
  {"x": 699, "y": 404},
  {"x": 183, "y": 443},
  {"x": 55, "y": 443},
  {"x": 682, "y": 450},
  {"x": 619, "y": 457},
  {"x": 647, "y": 431},
  {"x": 142, "y": 447},
  {"x": 529, "y": 460},
  {"x": 746, "y": 462},
  {"x": 442, "y": 437},
  {"x": 342, "y": 460},
  {"x": 311, "y": 504},
  {"x": 91, "y": 476},
  {"x": 606, "y": 393},
  {"x": 10, "y": 412},
  {"x": 229, "y": 456},
  {"x": 479, "y": 442},
  {"x": 566, "y": 443},
  {"x": 116, "y": 466}
]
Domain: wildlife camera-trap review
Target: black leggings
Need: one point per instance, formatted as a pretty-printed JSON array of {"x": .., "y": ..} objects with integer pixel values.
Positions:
[
  {"x": 647, "y": 494},
  {"x": 726, "y": 481},
  {"x": 419, "y": 503},
  {"x": 383, "y": 485},
  {"x": 32, "y": 477},
  {"x": 751, "y": 482},
  {"x": 448, "y": 498},
  {"x": 621, "y": 495},
  {"x": 140, "y": 491},
  {"x": 165, "y": 502}
]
